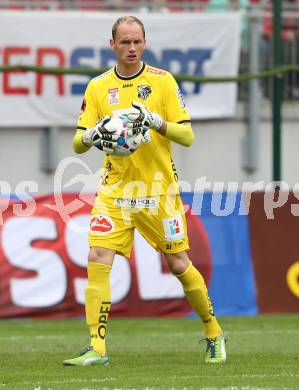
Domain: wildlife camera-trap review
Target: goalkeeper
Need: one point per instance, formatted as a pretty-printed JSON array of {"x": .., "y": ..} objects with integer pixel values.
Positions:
[{"x": 151, "y": 99}]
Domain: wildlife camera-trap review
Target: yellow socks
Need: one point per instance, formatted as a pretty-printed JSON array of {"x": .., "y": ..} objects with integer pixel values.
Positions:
[
  {"x": 198, "y": 296},
  {"x": 97, "y": 303}
]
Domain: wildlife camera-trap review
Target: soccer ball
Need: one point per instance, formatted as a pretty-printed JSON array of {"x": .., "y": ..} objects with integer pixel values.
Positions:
[{"x": 126, "y": 144}]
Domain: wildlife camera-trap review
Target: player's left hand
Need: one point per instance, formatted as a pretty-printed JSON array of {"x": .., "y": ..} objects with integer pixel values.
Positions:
[{"x": 142, "y": 118}]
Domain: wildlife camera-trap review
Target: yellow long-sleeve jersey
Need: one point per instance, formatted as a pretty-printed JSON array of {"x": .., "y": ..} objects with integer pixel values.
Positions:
[{"x": 149, "y": 171}]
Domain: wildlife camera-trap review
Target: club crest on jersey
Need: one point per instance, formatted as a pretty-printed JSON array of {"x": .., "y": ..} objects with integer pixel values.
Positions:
[
  {"x": 144, "y": 91},
  {"x": 173, "y": 228},
  {"x": 101, "y": 224},
  {"x": 113, "y": 96}
]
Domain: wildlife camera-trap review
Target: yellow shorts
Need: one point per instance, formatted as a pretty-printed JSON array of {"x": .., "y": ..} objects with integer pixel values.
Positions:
[{"x": 160, "y": 220}]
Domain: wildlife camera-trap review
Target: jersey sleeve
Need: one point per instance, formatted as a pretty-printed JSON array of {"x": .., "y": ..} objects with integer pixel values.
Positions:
[
  {"x": 175, "y": 107},
  {"x": 89, "y": 113}
]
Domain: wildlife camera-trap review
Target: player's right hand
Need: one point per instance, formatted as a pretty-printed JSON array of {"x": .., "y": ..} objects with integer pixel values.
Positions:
[{"x": 100, "y": 136}]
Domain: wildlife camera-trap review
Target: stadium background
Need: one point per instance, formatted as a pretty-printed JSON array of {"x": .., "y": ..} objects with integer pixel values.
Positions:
[{"x": 250, "y": 260}]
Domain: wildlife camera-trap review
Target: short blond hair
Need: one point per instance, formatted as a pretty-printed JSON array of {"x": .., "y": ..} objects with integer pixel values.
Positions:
[{"x": 127, "y": 19}]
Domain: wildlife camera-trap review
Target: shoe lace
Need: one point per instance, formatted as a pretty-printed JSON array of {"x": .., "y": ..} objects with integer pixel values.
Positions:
[
  {"x": 212, "y": 346},
  {"x": 89, "y": 348}
]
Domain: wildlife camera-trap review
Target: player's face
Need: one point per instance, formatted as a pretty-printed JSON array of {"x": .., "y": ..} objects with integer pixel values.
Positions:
[{"x": 128, "y": 45}]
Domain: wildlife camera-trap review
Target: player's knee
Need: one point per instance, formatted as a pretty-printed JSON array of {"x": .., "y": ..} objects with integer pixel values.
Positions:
[
  {"x": 101, "y": 255},
  {"x": 177, "y": 262}
]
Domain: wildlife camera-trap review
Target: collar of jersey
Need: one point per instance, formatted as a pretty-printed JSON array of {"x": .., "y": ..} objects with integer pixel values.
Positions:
[{"x": 130, "y": 77}]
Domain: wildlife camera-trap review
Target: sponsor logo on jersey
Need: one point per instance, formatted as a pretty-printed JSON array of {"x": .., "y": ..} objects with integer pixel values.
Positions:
[
  {"x": 173, "y": 228},
  {"x": 144, "y": 91},
  {"x": 113, "y": 96},
  {"x": 175, "y": 174},
  {"x": 140, "y": 203},
  {"x": 83, "y": 106},
  {"x": 156, "y": 71},
  {"x": 180, "y": 97},
  {"x": 128, "y": 85},
  {"x": 101, "y": 224},
  {"x": 105, "y": 173}
]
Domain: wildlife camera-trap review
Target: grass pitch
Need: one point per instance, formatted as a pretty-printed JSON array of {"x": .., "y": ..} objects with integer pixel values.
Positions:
[{"x": 263, "y": 353}]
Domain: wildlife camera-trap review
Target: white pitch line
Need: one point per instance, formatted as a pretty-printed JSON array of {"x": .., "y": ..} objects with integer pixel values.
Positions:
[
  {"x": 37, "y": 383},
  {"x": 287, "y": 374},
  {"x": 240, "y": 388},
  {"x": 263, "y": 331},
  {"x": 35, "y": 337},
  {"x": 156, "y": 334}
]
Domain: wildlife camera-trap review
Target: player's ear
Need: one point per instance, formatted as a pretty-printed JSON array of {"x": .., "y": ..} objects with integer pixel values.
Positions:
[{"x": 112, "y": 43}]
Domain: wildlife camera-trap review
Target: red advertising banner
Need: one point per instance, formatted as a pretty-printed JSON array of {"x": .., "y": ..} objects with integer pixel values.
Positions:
[
  {"x": 43, "y": 257},
  {"x": 275, "y": 251}
]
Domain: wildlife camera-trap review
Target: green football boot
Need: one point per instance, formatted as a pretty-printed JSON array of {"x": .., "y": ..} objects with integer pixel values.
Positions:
[
  {"x": 89, "y": 357},
  {"x": 215, "y": 352}
]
